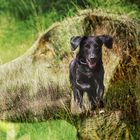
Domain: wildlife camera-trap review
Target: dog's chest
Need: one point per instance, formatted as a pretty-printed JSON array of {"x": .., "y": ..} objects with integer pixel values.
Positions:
[{"x": 86, "y": 79}]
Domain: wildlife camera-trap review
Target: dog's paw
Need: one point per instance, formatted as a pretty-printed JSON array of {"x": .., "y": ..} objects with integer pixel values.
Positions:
[{"x": 102, "y": 111}]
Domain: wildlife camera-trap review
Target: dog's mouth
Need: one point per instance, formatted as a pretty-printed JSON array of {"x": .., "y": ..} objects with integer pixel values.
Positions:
[{"x": 91, "y": 63}]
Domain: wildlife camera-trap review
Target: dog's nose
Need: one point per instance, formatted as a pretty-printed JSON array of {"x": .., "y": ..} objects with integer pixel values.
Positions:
[{"x": 92, "y": 59}]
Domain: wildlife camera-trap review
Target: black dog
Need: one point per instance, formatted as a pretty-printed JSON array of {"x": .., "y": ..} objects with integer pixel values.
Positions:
[{"x": 86, "y": 70}]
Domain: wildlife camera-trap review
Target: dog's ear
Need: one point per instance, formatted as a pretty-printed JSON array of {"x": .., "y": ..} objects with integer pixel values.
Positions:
[
  {"x": 75, "y": 41},
  {"x": 107, "y": 40}
]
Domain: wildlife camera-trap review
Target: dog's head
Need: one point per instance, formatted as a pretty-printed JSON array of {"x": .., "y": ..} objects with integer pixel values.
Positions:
[{"x": 90, "y": 47}]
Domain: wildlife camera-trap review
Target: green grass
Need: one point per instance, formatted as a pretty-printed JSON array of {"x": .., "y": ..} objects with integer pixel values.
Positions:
[
  {"x": 15, "y": 39},
  {"x": 18, "y": 36},
  {"x": 18, "y": 30},
  {"x": 116, "y": 6},
  {"x": 51, "y": 130}
]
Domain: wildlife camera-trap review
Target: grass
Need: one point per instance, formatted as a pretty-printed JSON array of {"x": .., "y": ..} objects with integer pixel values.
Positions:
[
  {"x": 51, "y": 130},
  {"x": 18, "y": 30},
  {"x": 17, "y": 36},
  {"x": 116, "y": 6},
  {"x": 15, "y": 39}
]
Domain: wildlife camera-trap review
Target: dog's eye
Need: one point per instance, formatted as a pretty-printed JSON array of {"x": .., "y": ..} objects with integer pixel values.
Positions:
[
  {"x": 87, "y": 46},
  {"x": 96, "y": 47}
]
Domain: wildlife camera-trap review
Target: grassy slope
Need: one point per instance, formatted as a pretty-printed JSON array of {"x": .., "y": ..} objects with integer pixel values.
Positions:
[{"x": 15, "y": 39}]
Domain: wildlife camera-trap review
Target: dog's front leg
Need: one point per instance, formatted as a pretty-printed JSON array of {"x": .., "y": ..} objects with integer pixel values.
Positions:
[
  {"x": 78, "y": 96},
  {"x": 100, "y": 90},
  {"x": 100, "y": 93},
  {"x": 76, "y": 101},
  {"x": 92, "y": 99}
]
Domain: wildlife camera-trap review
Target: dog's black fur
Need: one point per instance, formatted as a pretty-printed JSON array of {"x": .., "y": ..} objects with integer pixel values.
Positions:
[{"x": 86, "y": 70}]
